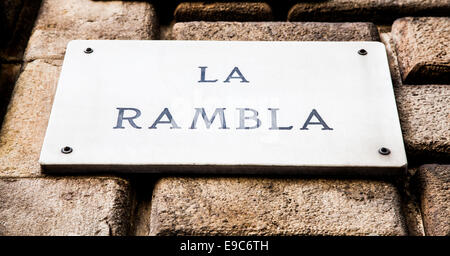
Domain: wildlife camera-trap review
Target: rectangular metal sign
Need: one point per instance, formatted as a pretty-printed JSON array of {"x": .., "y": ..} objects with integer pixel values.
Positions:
[{"x": 221, "y": 107}]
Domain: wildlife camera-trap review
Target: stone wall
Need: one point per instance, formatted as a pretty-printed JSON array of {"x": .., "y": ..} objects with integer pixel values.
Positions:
[{"x": 34, "y": 35}]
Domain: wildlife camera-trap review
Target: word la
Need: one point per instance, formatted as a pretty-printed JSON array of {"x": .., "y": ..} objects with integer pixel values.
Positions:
[
  {"x": 248, "y": 119},
  {"x": 234, "y": 74}
]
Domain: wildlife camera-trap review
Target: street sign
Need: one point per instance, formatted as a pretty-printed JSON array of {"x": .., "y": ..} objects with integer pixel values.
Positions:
[{"x": 224, "y": 107}]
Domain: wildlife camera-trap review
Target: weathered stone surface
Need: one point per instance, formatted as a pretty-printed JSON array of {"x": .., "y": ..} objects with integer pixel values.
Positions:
[
  {"x": 384, "y": 11},
  {"x": 262, "y": 206},
  {"x": 434, "y": 183},
  {"x": 386, "y": 38},
  {"x": 423, "y": 49},
  {"x": 424, "y": 112},
  {"x": 26, "y": 119},
  {"x": 275, "y": 31},
  {"x": 411, "y": 204},
  {"x": 62, "y": 21},
  {"x": 223, "y": 11},
  {"x": 64, "y": 206}
]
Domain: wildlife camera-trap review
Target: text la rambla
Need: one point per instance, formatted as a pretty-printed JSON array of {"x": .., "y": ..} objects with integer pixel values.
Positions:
[{"x": 246, "y": 115}]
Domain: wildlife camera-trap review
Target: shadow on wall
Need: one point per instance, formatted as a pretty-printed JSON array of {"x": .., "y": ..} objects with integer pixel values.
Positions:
[{"x": 16, "y": 23}]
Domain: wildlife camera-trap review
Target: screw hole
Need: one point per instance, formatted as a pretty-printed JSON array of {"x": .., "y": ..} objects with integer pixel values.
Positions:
[
  {"x": 88, "y": 50},
  {"x": 384, "y": 151},
  {"x": 362, "y": 52},
  {"x": 66, "y": 150}
]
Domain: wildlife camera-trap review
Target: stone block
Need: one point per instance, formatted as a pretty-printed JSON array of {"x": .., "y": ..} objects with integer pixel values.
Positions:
[
  {"x": 64, "y": 206},
  {"x": 62, "y": 21},
  {"x": 423, "y": 49},
  {"x": 425, "y": 120},
  {"x": 264, "y": 206},
  {"x": 434, "y": 184},
  {"x": 223, "y": 11},
  {"x": 275, "y": 31},
  {"x": 379, "y": 11},
  {"x": 25, "y": 123}
]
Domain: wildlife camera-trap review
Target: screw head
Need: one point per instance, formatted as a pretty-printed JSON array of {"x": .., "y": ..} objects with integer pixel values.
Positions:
[
  {"x": 88, "y": 50},
  {"x": 384, "y": 151},
  {"x": 66, "y": 150},
  {"x": 362, "y": 52}
]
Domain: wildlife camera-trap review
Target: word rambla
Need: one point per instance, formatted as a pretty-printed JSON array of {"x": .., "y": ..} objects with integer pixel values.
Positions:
[{"x": 248, "y": 119}]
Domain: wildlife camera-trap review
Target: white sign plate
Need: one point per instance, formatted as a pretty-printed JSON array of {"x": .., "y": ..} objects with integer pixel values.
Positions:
[{"x": 278, "y": 107}]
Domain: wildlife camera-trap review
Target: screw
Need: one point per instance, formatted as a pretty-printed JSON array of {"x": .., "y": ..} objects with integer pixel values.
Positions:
[
  {"x": 88, "y": 50},
  {"x": 362, "y": 52},
  {"x": 66, "y": 150},
  {"x": 384, "y": 151}
]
